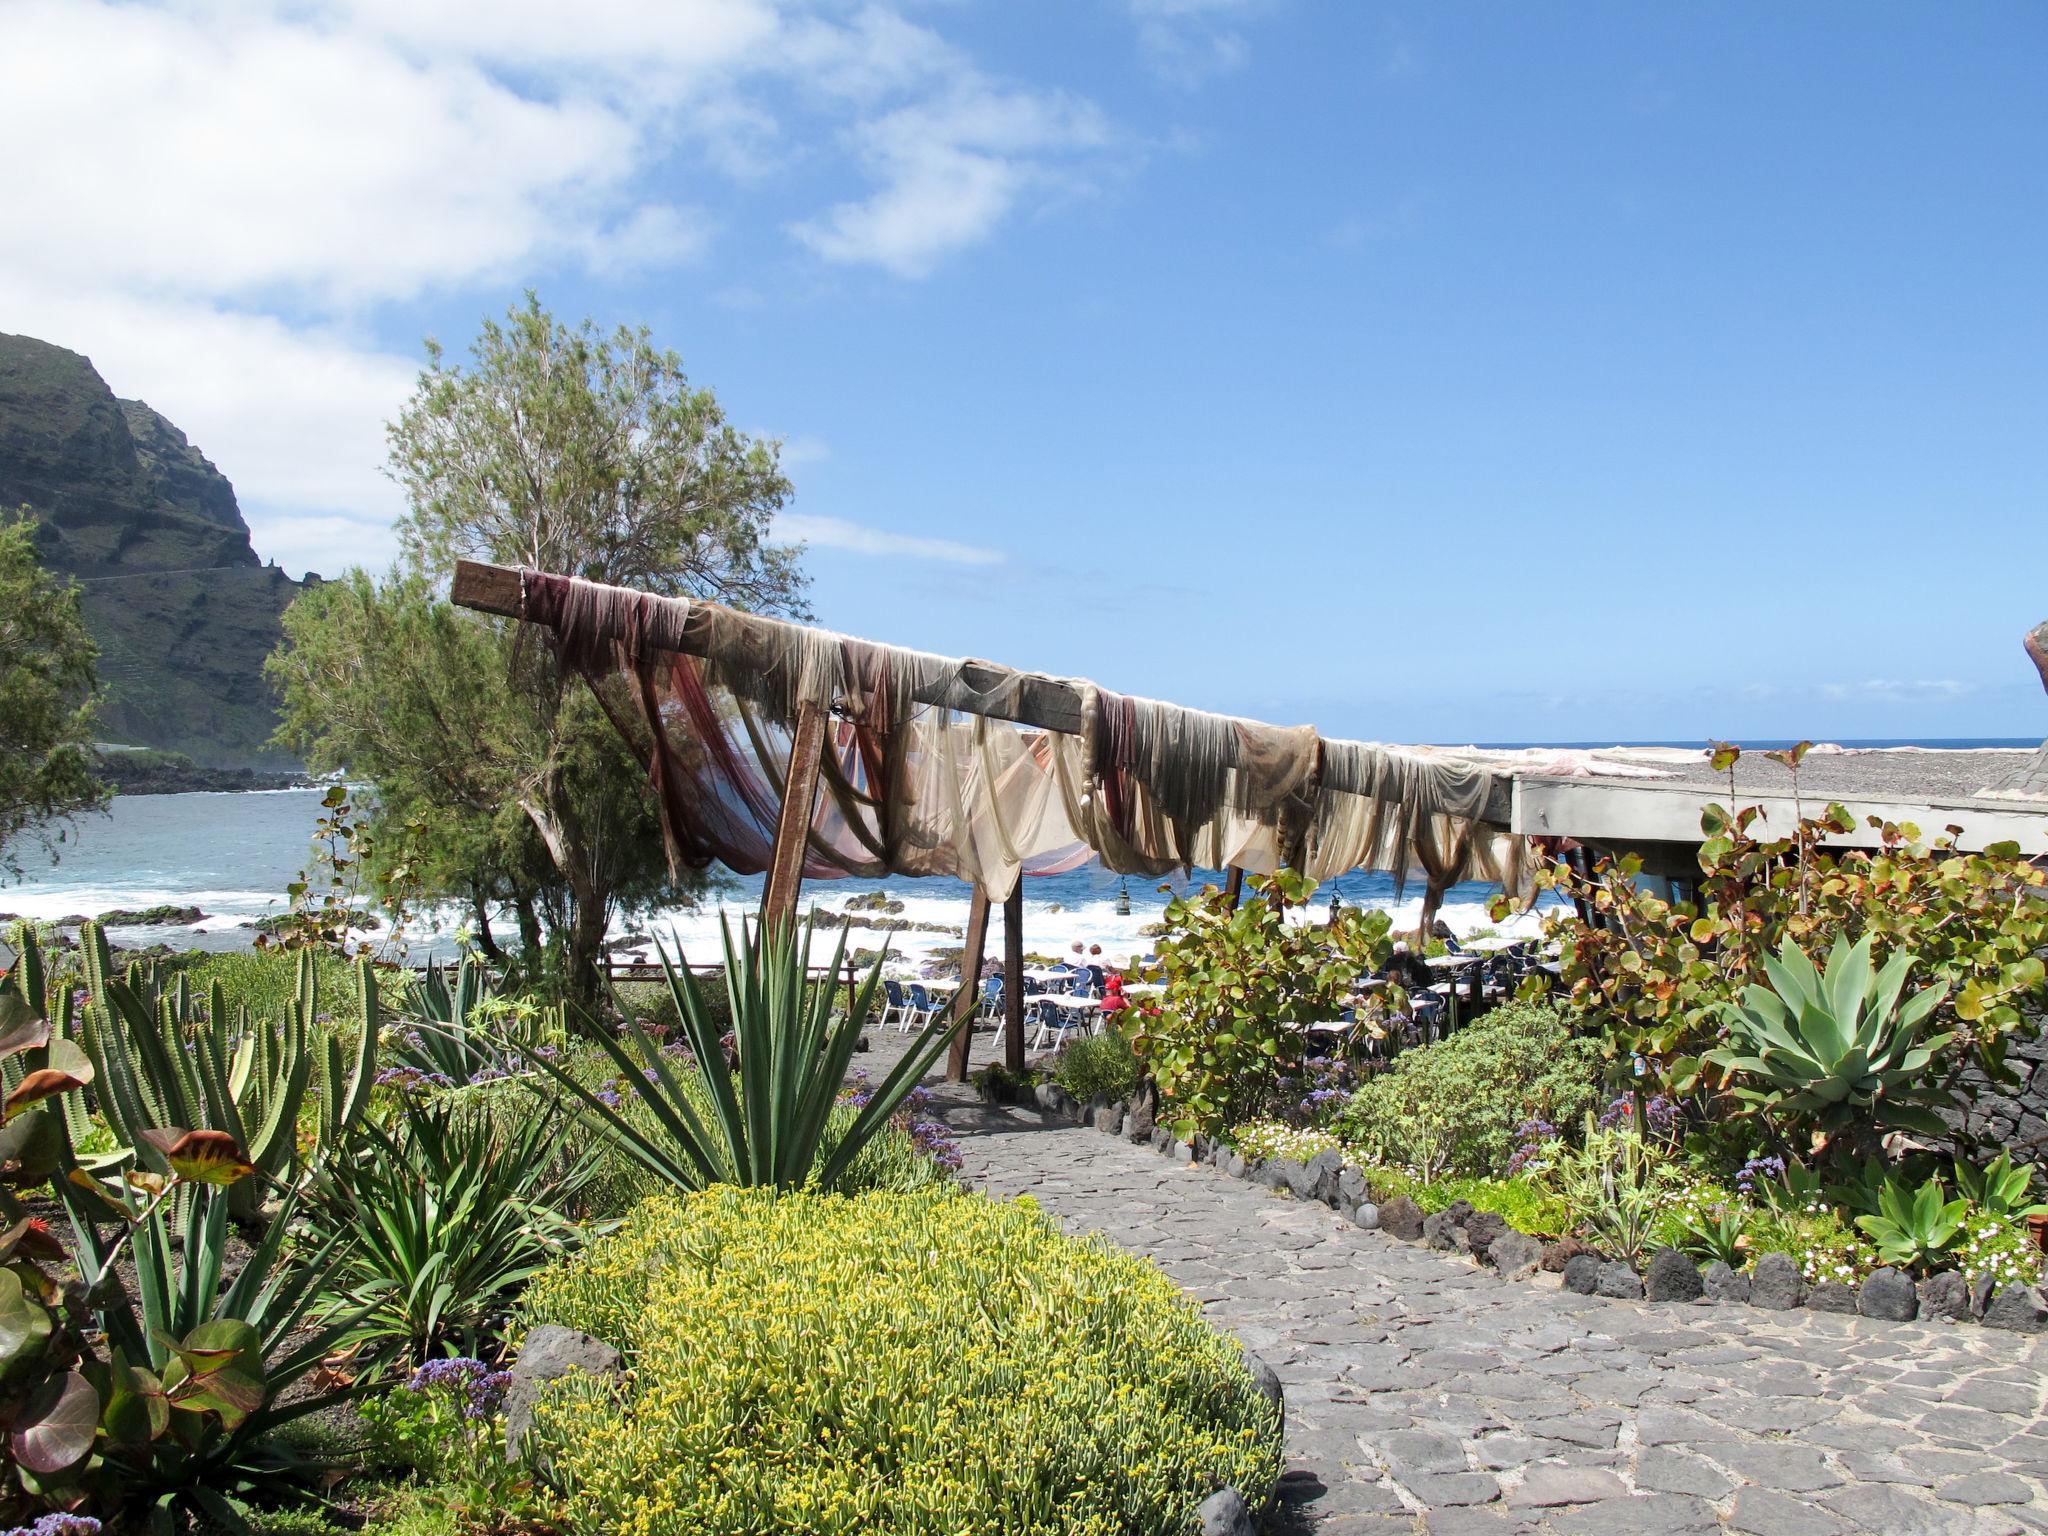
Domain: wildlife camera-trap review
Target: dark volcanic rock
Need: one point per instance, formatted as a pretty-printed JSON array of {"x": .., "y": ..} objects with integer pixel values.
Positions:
[
  {"x": 1775, "y": 1284},
  {"x": 550, "y": 1352},
  {"x": 1671, "y": 1276},
  {"x": 1620, "y": 1282},
  {"x": 1401, "y": 1217},
  {"x": 1945, "y": 1295},
  {"x": 2021, "y": 1308},
  {"x": 1328, "y": 1168},
  {"x": 1440, "y": 1231},
  {"x": 1887, "y": 1294},
  {"x": 1831, "y": 1296},
  {"x": 1582, "y": 1273},
  {"x": 1724, "y": 1284},
  {"x": 1560, "y": 1253},
  {"x": 1514, "y": 1254},
  {"x": 1483, "y": 1228},
  {"x": 1224, "y": 1513}
]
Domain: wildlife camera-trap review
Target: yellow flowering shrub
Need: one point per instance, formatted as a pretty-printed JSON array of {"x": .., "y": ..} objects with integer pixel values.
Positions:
[{"x": 929, "y": 1362}]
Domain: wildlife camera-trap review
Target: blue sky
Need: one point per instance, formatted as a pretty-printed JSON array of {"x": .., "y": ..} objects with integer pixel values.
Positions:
[{"x": 1427, "y": 372}]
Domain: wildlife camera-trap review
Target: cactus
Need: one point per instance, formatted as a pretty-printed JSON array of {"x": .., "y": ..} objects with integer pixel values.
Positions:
[{"x": 162, "y": 1060}]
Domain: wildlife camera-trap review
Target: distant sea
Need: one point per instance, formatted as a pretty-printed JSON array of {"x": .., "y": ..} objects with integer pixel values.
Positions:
[{"x": 231, "y": 855}]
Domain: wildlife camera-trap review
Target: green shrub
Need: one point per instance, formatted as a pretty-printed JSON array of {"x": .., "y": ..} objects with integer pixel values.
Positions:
[
  {"x": 1453, "y": 1107},
  {"x": 931, "y": 1363},
  {"x": 1103, "y": 1063},
  {"x": 1240, "y": 982}
]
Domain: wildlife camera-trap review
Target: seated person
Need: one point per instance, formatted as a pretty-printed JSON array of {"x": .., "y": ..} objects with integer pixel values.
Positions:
[{"x": 1404, "y": 968}]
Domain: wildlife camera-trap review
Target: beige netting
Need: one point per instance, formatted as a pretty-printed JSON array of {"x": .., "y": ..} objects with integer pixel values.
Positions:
[{"x": 928, "y": 771}]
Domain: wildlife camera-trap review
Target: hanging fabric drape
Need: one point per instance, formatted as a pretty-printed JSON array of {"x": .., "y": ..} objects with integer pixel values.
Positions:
[{"x": 937, "y": 766}]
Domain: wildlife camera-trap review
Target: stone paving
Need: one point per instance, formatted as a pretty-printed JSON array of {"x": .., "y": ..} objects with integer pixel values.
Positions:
[{"x": 1426, "y": 1395}]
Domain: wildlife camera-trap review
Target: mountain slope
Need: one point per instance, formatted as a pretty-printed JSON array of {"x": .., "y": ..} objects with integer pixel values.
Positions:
[{"x": 182, "y": 608}]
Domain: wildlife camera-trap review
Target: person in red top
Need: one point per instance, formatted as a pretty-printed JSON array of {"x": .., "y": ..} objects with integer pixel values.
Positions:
[{"x": 1113, "y": 999}]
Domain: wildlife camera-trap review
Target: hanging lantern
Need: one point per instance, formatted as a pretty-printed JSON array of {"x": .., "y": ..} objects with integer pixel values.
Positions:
[{"x": 1123, "y": 898}]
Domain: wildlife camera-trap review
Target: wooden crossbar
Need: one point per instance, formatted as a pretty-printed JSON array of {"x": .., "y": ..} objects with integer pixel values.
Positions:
[{"x": 1049, "y": 703}]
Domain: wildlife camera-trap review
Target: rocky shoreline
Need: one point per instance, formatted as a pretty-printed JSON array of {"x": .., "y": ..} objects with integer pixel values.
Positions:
[{"x": 173, "y": 773}]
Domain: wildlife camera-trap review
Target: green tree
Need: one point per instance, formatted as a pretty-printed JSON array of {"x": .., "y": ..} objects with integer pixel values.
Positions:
[
  {"x": 47, "y": 694},
  {"x": 497, "y": 775}
]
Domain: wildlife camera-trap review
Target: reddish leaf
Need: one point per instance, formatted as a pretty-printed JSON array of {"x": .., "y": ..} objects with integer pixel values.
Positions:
[
  {"x": 57, "y": 1426},
  {"x": 204, "y": 1157},
  {"x": 36, "y": 1086}
]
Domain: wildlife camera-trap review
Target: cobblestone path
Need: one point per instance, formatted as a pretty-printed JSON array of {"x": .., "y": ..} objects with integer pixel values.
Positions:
[{"x": 1426, "y": 1395}]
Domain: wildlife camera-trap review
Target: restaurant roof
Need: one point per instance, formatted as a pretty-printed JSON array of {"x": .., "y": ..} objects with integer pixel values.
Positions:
[{"x": 1630, "y": 796}]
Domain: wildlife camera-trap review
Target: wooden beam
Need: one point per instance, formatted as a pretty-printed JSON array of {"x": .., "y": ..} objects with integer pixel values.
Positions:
[
  {"x": 968, "y": 998},
  {"x": 1233, "y": 886},
  {"x": 793, "y": 826},
  {"x": 1013, "y": 977},
  {"x": 976, "y": 687},
  {"x": 1049, "y": 703}
]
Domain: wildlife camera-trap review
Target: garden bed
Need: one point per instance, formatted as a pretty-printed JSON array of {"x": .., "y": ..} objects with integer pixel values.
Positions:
[{"x": 1491, "y": 1243}]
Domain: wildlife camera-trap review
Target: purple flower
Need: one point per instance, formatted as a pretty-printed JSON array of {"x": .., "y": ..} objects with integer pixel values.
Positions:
[
  {"x": 1758, "y": 1168},
  {"x": 1659, "y": 1113},
  {"x": 609, "y": 1097},
  {"x": 1531, "y": 1136},
  {"x": 480, "y": 1389},
  {"x": 58, "y": 1524}
]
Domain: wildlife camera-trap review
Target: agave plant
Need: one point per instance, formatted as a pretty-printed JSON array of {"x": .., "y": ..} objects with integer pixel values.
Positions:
[
  {"x": 1913, "y": 1229},
  {"x": 1999, "y": 1189},
  {"x": 441, "y": 1220},
  {"x": 460, "y": 1032},
  {"x": 1828, "y": 1050},
  {"x": 767, "y": 1119}
]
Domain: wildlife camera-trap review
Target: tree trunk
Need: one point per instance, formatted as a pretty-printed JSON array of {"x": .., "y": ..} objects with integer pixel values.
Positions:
[
  {"x": 586, "y": 950},
  {"x": 530, "y": 939},
  {"x": 484, "y": 939}
]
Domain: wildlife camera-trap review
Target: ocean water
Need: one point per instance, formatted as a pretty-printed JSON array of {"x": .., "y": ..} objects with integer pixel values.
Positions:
[{"x": 231, "y": 855}]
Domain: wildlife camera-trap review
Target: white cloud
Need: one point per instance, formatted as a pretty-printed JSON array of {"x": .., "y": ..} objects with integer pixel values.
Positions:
[
  {"x": 293, "y": 415},
  {"x": 950, "y": 170},
  {"x": 837, "y": 533},
  {"x": 218, "y": 199},
  {"x": 1189, "y": 41}
]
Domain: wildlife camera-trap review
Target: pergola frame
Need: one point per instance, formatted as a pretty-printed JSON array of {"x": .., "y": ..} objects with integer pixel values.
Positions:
[{"x": 1036, "y": 699}]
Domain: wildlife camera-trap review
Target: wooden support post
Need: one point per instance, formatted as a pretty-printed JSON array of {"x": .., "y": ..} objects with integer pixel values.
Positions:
[
  {"x": 968, "y": 998},
  {"x": 1233, "y": 886},
  {"x": 793, "y": 826},
  {"x": 1013, "y": 977}
]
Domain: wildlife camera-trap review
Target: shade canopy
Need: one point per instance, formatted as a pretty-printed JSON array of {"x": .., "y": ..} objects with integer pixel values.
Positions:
[{"x": 935, "y": 765}]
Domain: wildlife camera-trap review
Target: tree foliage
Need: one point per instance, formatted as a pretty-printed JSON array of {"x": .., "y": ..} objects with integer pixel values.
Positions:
[
  {"x": 48, "y": 689},
  {"x": 497, "y": 775},
  {"x": 589, "y": 455}
]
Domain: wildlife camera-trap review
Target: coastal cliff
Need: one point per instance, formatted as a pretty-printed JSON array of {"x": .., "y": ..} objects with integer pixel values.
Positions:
[{"x": 183, "y": 609}]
